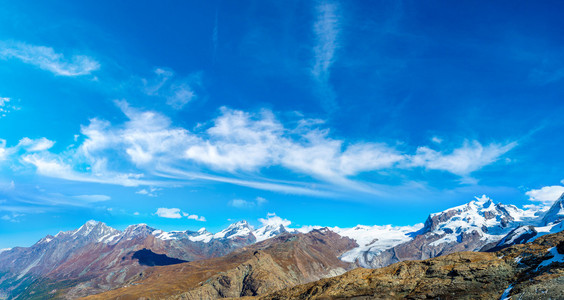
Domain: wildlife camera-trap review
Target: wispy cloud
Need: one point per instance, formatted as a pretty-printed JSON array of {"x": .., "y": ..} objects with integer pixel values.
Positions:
[
  {"x": 150, "y": 191},
  {"x": 233, "y": 149},
  {"x": 47, "y": 59},
  {"x": 93, "y": 198},
  {"x": 241, "y": 203},
  {"x": 177, "y": 92},
  {"x": 6, "y": 107},
  {"x": 194, "y": 217},
  {"x": 326, "y": 29},
  {"x": 12, "y": 217},
  {"x": 462, "y": 161},
  {"x": 215, "y": 35},
  {"x": 176, "y": 213},
  {"x": 31, "y": 145}
]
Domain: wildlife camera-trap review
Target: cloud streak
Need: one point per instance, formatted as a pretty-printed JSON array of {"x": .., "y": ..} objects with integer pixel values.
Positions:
[
  {"x": 177, "y": 92},
  {"x": 242, "y": 203},
  {"x": 234, "y": 148},
  {"x": 47, "y": 59},
  {"x": 176, "y": 213},
  {"x": 326, "y": 29}
]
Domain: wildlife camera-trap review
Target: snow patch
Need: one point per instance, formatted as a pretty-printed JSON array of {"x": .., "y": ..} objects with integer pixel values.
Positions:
[
  {"x": 505, "y": 295},
  {"x": 556, "y": 258},
  {"x": 373, "y": 240}
]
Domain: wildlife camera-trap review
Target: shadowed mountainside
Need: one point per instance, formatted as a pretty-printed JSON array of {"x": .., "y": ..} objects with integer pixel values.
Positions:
[{"x": 280, "y": 262}]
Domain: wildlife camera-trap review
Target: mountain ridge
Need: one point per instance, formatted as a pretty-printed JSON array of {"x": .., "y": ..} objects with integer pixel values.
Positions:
[{"x": 97, "y": 257}]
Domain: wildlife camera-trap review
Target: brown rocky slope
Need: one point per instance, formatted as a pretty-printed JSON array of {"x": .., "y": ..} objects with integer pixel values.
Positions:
[
  {"x": 280, "y": 262},
  {"x": 528, "y": 271}
]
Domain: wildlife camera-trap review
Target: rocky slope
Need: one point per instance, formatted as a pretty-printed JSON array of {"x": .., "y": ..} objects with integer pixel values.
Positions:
[
  {"x": 527, "y": 271},
  {"x": 276, "y": 263}
]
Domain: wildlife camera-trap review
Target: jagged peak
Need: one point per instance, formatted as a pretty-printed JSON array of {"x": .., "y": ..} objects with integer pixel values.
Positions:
[
  {"x": 556, "y": 211},
  {"x": 92, "y": 223},
  {"x": 91, "y": 226},
  {"x": 241, "y": 223}
]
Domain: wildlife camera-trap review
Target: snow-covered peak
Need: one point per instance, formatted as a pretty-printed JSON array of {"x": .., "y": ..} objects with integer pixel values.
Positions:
[
  {"x": 273, "y": 225},
  {"x": 85, "y": 229},
  {"x": 269, "y": 231},
  {"x": 201, "y": 236},
  {"x": 491, "y": 221},
  {"x": 94, "y": 230},
  {"x": 45, "y": 240},
  {"x": 238, "y": 229},
  {"x": 137, "y": 230},
  {"x": 483, "y": 201},
  {"x": 555, "y": 213}
]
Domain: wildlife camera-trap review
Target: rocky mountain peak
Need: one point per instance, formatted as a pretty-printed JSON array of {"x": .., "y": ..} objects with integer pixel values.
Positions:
[
  {"x": 556, "y": 212},
  {"x": 237, "y": 229},
  {"x": 94, "y": 230},
  {"x": 481, "y": 212},
  {"x": 138, "y": 230}
]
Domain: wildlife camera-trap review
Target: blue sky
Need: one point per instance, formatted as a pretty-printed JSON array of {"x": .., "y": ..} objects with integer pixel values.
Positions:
[{"x": 190, "y": 114}]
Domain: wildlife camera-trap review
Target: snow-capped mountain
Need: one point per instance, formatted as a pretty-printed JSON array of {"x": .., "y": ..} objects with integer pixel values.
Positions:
[
  {"x": 104, "y": 258},
  {"x": 551, "y": 222},
  {"x": 555, "y": 213},
  {"x": 467, "y": 227},
  {"x": 490, "y": 221}
]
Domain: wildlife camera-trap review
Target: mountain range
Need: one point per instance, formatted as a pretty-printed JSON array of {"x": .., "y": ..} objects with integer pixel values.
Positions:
[{"x": 104, "y": 263}]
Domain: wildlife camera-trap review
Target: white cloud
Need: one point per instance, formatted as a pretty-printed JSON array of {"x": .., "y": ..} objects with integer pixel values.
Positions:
[
  {"x": 5, "y": 106},
  {"x": 195, "y": 217},
  {"x": 150, "y": 191},
  {"x": 240, "y": 203},
  {"x": 37, "y": 145},
  {"x": 273, "y": 220},
  {"x": 13, "y": 217},
  {"x": 546, "y": 195},
  {"x": 176, "y": 213},
  {"x": 93, "y": 198},
  {"x": 152, "y": 152},
  {"x": 170, "y": 213},
  {"x": 239, "y": 141},
  {"x": 52, "y": 166},
  {"x": 47, "y": 59},
  {"x": 177, "y": 91},
  {"x": 180, "y": 95},
  {"x": 4, "y": 152},
  {"x": 462, "y": 161},
  {"x": 326, "y": 30}
]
